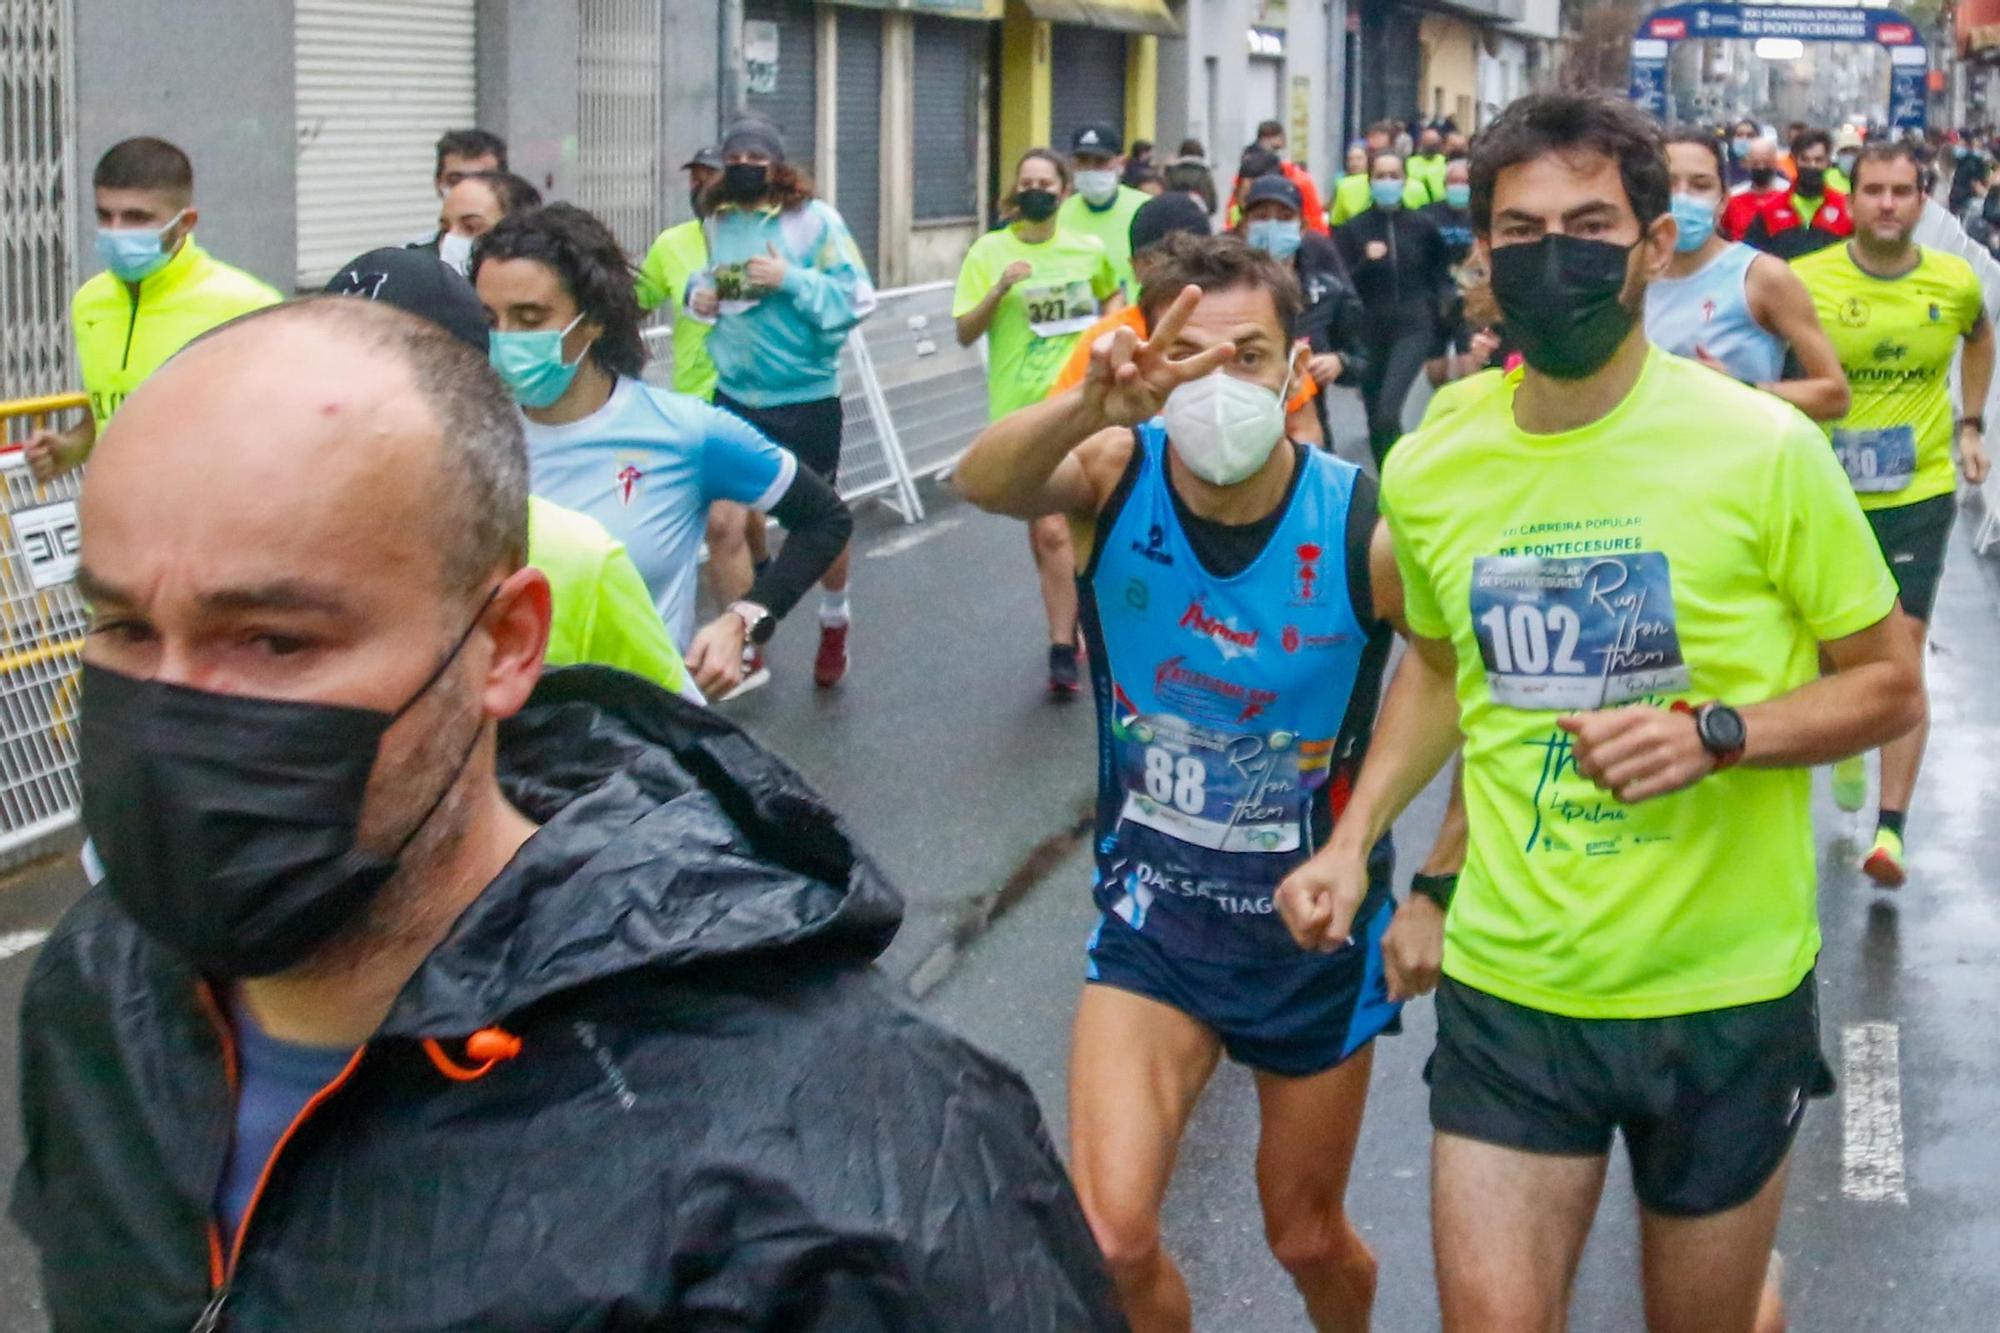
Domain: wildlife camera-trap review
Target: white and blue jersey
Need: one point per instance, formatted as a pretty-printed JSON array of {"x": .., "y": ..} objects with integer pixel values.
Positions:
[
  {"x": 1709, "y": 310},
  {"x": 646, "y": 465},
  {"x": 1232, "y": 716}
]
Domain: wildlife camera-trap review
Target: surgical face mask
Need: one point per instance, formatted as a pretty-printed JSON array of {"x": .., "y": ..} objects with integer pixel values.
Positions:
[
  {"x": 1740, "y": 149},
  {"x": 228, "y": 826},
  {"x": 455, "y": 251},
  {"x": 1386, "y": 193},
  {"x": 746, "y": 182},
  {"x": 1224, "y": 428},
  {"x": 1563, "y": 299},
  {"x": 1036, "y": 205},
  {"x": 1098, "y": 187},
  {"x": 1276, "y": 237},
  {"x": 1846, "y": 163},
  {"x": 134, "y": 254},
  {"x": 1695, "y": 216},
  {"x": 1458, "y": 196},
  {"x": 1812, "y": 181},
  {"x": 531, "y": 362}
]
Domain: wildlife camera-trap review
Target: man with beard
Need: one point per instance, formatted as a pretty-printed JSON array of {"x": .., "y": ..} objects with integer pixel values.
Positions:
[{"x": 1621, "y": 570}]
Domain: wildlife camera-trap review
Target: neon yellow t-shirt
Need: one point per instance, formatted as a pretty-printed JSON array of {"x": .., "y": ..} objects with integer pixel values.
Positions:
[
  {"x": 1111, "y": 225},
  {"x": 1896, "y": 338},
  {"x": 675, "y": 257},
  {"x": 1355, "y": 195},
  {"x": 1697, "y": 543},
  {"x": 1040, "y": 319},
  {"x": 602, "y": 612}
]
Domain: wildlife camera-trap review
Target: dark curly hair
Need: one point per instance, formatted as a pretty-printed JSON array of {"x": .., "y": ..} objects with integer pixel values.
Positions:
[
  {"x": 1566, "y": 123},
  {"x": 581, "y": 251},
  {"x": 1216, "y": 264},
  {"x": 513, "y": 194}
]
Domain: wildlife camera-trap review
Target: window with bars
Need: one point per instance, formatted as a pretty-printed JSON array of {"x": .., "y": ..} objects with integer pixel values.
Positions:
[{"x": 37, "y": 216}]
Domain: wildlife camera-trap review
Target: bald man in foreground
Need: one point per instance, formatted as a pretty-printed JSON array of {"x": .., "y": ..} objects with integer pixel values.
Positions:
[{"x": 416, "y": 994}]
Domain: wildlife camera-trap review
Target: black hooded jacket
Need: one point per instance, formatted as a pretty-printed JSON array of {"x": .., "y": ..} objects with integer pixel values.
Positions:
[{"x": 719, "y": 1118}]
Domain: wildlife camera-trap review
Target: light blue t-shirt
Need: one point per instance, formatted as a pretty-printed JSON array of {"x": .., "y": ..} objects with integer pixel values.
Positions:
[
  {"x": 646, "y": 465},
  {"x": 275, "y": 1080}
]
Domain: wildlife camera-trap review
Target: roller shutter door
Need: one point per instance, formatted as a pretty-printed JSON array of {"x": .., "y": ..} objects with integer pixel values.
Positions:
[
  {"x": 377, "y": 82},
  {"x": 858, "y": 128},
  {"x": 1087, "y": 78},
  {"x": 950, "y": 56},
  {"x": 789, "y": 96}
]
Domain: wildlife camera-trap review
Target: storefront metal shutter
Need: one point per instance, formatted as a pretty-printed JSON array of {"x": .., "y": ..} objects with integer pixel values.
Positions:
[
  {"x": 858, "y": 129},
  {"x": 949, "y": 56},
  {"x": 793, "y": 100},
  {"x": 1087, "y": 78},
  {"x": 377, "y": 82},
  {"x": 37, "y": 219},
  {"x": 619, "y": 168}
]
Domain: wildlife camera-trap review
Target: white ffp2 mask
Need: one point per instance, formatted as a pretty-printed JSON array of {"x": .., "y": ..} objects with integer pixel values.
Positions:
[{"x": 1224, "y": 428}]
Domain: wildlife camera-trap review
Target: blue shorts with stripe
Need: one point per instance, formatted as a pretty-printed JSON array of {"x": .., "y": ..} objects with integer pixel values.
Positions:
[{"x": 1294, "y": 1015}]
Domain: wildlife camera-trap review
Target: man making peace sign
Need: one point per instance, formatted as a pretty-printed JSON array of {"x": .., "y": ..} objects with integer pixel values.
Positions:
[{"x": 1237, "y": 600}]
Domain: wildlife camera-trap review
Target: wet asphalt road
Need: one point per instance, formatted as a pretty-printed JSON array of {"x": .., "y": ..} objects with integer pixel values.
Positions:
[{"x": 967, "y": 785}]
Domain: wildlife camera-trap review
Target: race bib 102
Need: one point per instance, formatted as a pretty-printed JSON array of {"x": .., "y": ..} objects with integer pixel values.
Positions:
[
  {"x": 1059, "y": 308},
  {"x": 1877, "y": 461},
  {"x": 1577, "y": 633}
]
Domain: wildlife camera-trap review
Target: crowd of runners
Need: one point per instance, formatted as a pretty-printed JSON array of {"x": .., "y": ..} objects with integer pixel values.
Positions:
[{"x": 425, "y": 985}]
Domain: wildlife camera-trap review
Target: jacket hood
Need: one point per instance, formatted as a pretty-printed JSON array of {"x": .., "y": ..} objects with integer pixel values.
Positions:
[{"x": 668, "y": 839}]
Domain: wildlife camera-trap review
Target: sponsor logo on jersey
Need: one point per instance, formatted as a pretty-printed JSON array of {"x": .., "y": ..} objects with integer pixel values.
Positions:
[
  {"x": 1307, "y": 582},
  {"x": 1296, "y": 640},
  {"x": 628, "y": 482},
  {"x": 1197, "y": 694},
  {"x": 1230, "y": 640},
  {"x": 1890, "y": 350},
  {"x": 1154, "y": 547},
  {"x": 1137, "y": 595},
  {"x": 1854, "y": 313}
]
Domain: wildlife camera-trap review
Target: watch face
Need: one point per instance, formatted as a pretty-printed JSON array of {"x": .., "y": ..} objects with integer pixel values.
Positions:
[{"x": 1722, "y": 730}]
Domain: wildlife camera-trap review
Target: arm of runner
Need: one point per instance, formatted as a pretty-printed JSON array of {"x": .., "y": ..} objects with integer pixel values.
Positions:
[
  {"x": 1024, "y": 464},
  {"x": 1780, "y": 302},
  {"x": 973, "y": 308},
  {"x": 51, "y": 453},
  {"x": 1975, "y": 370},
  {"x": 1416, "y": 733}
]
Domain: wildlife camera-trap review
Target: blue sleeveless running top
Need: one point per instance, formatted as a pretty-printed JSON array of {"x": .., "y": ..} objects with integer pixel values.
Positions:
[
  {"x": 1710, "y": 308},
  {"x": 1232, "y": 713}
]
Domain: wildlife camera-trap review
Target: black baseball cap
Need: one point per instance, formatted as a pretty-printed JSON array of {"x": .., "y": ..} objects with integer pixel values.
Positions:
[
  {"x": 710, "y": 157},
  {"x": 1157, "y": 219},
  {"x": 1275, "y": 189},
  {"x": 416, "y": 280},
  {"x": 1100, "y": 140}
]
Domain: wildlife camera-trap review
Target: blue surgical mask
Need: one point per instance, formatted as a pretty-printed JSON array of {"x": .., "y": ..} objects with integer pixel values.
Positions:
[
  {"x": 135, "y": 254},
  {"x": 1275, "y": 237},
  {"x": 1458, "y": 196},
  {"x": 1696, "y": 220},
  {"x": 1387, "y": 194},
  {"x": 531, "y": 363}
]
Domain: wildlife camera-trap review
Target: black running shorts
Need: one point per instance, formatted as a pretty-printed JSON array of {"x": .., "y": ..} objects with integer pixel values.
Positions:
[
  {"x": 1913, "y": 539},
  {"x": 1708, "y": 1103}
]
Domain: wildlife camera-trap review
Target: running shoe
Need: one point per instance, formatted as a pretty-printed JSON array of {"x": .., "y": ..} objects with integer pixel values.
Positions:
[
  {"x": 755, "y": 675},
  {"x": 1885, "y": 863},
  {"x": 830, "y": 664},
  {"x": 1065, "y": 679},
  {"x": 1850, "y": 784}
]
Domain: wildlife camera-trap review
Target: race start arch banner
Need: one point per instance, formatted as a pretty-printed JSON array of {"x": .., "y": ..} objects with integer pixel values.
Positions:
[{"x": 1909, "y": 62}]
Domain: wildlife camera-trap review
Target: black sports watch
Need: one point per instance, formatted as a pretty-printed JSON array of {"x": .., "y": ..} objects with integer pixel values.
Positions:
[
  {"x": 1437, "y": 888},
  {"x": 1722, "y": 732},
  {"x": 758, "y": 622}
]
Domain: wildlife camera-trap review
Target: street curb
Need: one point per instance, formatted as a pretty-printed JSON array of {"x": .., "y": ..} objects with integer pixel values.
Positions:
[{"x": 979, "y": 914}]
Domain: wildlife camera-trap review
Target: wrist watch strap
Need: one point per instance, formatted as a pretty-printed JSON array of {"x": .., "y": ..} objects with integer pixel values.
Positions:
[{"x": 1437, "y": 888}]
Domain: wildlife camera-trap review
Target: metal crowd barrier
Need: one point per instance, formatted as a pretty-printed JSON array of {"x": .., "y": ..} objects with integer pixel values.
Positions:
[
  {"x": 911, "y": 398},
  {"x": 42, "y": 622}
]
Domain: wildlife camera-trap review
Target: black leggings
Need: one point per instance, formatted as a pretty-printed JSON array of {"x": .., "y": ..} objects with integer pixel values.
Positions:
[{"x": 1393, "y": 369}]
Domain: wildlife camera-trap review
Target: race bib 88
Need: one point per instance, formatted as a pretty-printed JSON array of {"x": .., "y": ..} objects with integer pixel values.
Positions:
[{"x": 1577, "y": 633}]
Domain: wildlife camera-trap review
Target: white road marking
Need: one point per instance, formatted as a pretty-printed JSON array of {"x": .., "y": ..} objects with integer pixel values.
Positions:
[
  {"x": 20, "y": 941},
  {"x": 915, "y": 537},
  {"x": 1871, "y": 1122}
]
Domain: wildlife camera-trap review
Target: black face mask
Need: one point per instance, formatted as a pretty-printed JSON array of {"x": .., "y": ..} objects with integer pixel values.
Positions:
[
  {"x": 745, "y": 182},
  {"x": 1563, "y": 300},
  {"x": 226, "y": 825},
  {"x": 1812, "y": 181},
  {"x": 1036, "y": 205},
  {"x": 1761, "y": 177}
]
